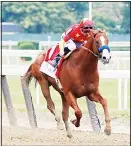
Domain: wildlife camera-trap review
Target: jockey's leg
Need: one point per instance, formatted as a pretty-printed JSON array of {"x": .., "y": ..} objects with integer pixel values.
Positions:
[
  {"x": 70, "y": 45},
  {"x": 66, "y": 50}
]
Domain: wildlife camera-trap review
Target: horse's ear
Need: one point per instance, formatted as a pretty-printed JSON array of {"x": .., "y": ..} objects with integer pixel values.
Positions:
[
  {"x": 99, "y": 30},
  {"x": 95, "y": 31},
  {"x": 104, "y": 30}
]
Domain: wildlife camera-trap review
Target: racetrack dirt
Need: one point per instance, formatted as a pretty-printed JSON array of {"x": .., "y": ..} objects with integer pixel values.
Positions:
[
  {"x": 47, "y": 133},
  {"x": 41, "y": 136}
]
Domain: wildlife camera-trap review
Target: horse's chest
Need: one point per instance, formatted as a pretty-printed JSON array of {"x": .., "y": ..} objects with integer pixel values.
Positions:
[
  {"x": 91, "y": 87},
  {"x": 85, "y": 89}
]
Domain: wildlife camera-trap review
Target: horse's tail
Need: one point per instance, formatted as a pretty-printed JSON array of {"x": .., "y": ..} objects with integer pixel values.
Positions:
[{"x": 26, "y": 79}]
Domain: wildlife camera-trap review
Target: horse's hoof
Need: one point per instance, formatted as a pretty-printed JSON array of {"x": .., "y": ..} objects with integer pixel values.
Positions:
[
  {"x": 75, "y": 123},
  {"x": 107, "y": 131},
  {"x": 57, "y": 118},
  {"x": 70, "y": 136},
  {"x": 60, "y": 126}
]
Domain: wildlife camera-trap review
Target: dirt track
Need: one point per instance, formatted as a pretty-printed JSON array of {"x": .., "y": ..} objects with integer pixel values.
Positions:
[
  {"x": 28, "y": 136},
  {"x": 23, "y": 135}
]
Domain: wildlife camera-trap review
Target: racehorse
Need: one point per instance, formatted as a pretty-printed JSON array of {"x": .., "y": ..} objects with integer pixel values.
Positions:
[{"x": 79, "y": 77}]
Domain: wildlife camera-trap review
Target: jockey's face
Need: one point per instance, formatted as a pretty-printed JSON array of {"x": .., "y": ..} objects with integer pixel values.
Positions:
[{"x": 86, "y": 30}]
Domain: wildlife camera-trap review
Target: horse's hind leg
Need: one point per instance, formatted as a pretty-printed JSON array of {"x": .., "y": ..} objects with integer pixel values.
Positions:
[{"x": 46, "y": 92}]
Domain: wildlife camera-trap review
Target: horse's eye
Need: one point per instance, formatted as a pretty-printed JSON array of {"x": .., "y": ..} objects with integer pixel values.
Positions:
[{"x": 97, "y": 42}]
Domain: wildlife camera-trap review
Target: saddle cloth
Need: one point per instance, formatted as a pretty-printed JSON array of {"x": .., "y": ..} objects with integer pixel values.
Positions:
[{"x": 46, "y": 67}]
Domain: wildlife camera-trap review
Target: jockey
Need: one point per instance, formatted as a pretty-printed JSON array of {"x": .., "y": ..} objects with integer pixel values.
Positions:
[{"x": 73, "y": 38}]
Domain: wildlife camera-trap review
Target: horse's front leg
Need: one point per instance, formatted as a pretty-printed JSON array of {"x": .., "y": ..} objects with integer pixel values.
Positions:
[
  {"x": 107, "y": 130},
  {"x": 65, "y": 115},
  {"x": 98, "y": 98},
  {"x": 73, "y": 103}
]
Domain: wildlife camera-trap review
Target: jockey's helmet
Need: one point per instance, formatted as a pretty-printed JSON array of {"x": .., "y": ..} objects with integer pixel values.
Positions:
[{"x": 86, "y": 25}]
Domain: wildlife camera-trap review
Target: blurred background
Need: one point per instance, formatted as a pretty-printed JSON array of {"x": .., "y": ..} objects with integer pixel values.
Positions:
[
  {"x": 35, "y": 26},
  {"x": 44, "y": 21}
]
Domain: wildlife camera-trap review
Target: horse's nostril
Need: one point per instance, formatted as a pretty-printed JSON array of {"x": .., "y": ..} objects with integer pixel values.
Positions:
[{"x": 104, "y": 57}]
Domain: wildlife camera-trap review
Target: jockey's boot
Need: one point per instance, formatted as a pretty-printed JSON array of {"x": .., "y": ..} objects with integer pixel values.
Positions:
[
  {"x": 55, "y": 61},
  {"x": 66, "y": 50}
]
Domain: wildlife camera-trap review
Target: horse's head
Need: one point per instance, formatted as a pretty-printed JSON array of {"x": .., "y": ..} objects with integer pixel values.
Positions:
[{"x": 100, "y": 46}]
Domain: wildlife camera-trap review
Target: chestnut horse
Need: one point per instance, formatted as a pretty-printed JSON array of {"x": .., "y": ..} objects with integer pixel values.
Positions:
[{"x": 79, "y": 77}]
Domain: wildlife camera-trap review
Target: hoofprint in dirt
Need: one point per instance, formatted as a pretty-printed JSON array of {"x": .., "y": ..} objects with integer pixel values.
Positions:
[{"x": 47, "y": 133}]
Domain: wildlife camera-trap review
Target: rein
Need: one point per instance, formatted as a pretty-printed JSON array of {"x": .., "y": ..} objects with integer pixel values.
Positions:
[{"x": 83, "y": 47}]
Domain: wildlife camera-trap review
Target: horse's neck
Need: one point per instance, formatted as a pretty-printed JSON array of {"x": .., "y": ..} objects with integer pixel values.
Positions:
[
  {"x": 90, "y": 43},
  {"x": 85, "y": 59},
  {"x": 88, "y": 60}
]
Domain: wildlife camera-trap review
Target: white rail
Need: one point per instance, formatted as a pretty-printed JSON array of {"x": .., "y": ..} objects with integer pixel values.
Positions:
[
  {"x": 6, "y": 52},
  {"x": 10, "y": 44},
  {"x": 110, "y": 74},
  {"x": 120, "y": 59}
]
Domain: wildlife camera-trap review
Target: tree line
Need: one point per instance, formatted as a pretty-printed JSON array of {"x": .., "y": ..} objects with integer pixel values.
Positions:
[{"x": 55, "y": 17}]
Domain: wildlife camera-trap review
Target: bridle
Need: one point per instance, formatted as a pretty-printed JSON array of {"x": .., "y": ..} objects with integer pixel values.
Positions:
[{"x": 98, "y": 54}]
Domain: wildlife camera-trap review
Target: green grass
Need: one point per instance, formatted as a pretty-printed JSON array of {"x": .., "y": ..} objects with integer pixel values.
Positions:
[{"x": 108, "y": 89}]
